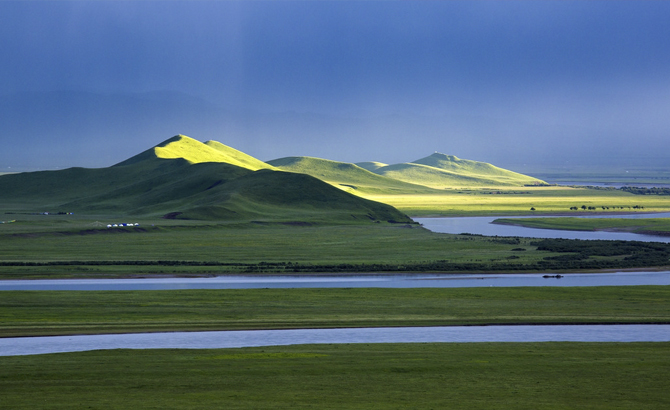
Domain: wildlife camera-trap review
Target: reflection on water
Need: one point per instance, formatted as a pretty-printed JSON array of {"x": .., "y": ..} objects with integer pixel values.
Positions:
[
  {"x": 352, "y": 281},
  {"x": 481, "y": 225},
  {"x": 251, "y": 338}
]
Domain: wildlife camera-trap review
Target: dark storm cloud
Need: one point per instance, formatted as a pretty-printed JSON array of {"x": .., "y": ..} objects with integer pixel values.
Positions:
[{"x": 504, "y": 82}]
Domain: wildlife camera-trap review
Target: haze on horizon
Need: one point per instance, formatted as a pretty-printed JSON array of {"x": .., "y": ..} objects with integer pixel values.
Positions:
[{"x": 539, "y": 84}]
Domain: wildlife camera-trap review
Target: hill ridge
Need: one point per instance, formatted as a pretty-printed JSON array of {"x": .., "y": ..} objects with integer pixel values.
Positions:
[
  {"x": 196, "y": 152},
  {"x": 436, "y": 171},
  {"x": 183, "y": 178},
  {"x": 186, "y": 178}
]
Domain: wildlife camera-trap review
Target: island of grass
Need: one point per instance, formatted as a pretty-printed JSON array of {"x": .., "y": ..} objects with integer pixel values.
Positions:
[
  {"x": 648, "y": 226},
  {"x": 41, "y": 313}
]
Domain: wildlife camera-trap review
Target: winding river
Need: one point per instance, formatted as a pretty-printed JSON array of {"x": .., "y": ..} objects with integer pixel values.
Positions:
[
  {"x": 346, "y": 281},
  {"x": 449, "y": 334},
  {"x": 481, "y": 225}
]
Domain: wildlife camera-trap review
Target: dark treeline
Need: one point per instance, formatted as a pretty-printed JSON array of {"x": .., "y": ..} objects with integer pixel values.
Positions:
[
  {"x": 632, "y": 189},
  {"x": 646, "y": 191},
  {"x": 632, "y": 253}
]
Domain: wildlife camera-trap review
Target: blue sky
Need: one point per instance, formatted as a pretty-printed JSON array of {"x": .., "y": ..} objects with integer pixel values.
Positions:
[{"x": 562, "y": 83}]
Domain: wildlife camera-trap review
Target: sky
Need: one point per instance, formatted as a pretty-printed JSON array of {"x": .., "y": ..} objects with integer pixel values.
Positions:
[{"x": 520, "y": 84}]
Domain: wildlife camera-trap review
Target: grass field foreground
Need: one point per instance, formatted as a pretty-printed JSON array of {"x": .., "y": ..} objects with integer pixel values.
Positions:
[{"x": 367, "y": 376}]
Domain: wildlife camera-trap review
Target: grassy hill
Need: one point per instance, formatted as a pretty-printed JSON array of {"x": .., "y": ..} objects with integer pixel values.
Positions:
[
  {"x": 184, "y": 178},
  {"x": 190, "y": 179},
  {"x": 437, "y": 171},
  {"x": 195, "y": 152},
  {"x": 289, "y": 197},
  {"x": 476, "y": 168},
  {"x": 346, "y": 176},
  {"x": 447, "y": 171},
  {"x": 371, "y": 165}
]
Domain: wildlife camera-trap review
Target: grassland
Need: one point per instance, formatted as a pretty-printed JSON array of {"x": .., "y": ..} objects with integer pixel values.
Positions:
[
  {"x": 376, "y": 376},
  {"x": 519, "y": 201},
  {"x": 659, "y": 226},
  {"x": 63, "y": 237},
  {"x": 33, "y": 313},
  {"x": 71, "y": 246}
]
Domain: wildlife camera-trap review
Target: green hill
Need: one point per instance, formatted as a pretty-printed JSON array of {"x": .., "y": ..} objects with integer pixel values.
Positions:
[
  {"x": 437, "y": 171},
  {"x": 465, "y": 166},
  {"x": 196, "y": 152},
  {"x": 183, "y": 178},
  {"x": 345, "y": 176},
  {"x": 371, "y": 165},
  {"x": 446, "y": 171},
  {"x": 239, "y": 158},
  {"x": 290, "y": 197}
]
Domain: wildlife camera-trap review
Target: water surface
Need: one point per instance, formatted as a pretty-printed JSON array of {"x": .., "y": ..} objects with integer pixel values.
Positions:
[
  {"x": 252, "y": 338},
  {"x": 482, "y": 225},
  {"x": 347, "y": 281}
]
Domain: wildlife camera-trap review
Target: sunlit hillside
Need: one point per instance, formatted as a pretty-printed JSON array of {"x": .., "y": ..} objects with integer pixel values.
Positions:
[
  {"x": 447, "y": 171},
  {"x": 196, "y": 152},
  {"x": 476, "y": 168},
  {"x": 437, "y": 171},
  {"x": 184, "y": 178},
  {"x": 371, "y": 165},
  {"x": 346, "y": 176}
]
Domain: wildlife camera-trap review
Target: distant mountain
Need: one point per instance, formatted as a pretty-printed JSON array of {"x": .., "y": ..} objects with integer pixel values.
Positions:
[
  {"x": 437, "y": 171},
  {"x": 447, "y": 171},
  {"x": 184, "y": 178}
]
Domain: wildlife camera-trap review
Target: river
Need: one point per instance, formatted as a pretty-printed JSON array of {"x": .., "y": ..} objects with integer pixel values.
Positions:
[
  {"x": 346, "y": 281},
  {"x": 481, "y": 225},
  {"x": 453, "y": 334},
  {"x": 251, "y": 338}
]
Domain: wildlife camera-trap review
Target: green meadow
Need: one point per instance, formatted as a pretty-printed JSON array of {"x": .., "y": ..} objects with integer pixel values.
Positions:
[
  {"x": 62, "y": 238},
  {"x": 35, "y": 313},
  {"x": 67, "y": 246},
  {"x": 352, "y": 376},
  {"x": 547, "y": 200}
]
